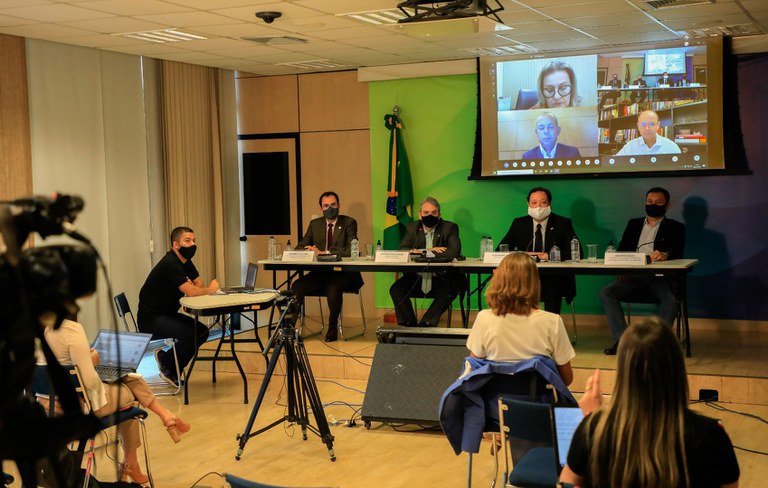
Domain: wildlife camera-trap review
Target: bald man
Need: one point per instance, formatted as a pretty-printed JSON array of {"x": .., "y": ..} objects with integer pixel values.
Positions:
[
  {"x": 649, "y": 142},
  {"x": 547, "y": 131}
]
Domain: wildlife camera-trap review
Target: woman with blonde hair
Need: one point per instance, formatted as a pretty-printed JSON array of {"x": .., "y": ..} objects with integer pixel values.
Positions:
[
  {"x": 515, "y": 328},
  {"x": 648, "y": 436}
]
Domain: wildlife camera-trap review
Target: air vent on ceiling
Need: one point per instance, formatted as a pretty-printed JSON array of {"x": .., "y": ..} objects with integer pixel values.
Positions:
[
  {"x": 377, "y": 17},
  {"x": 313, "y": 64},
  {"x": 162, "y": 36},
  {"x": 275, "y": 40},
  {"x": 501, "y": 51},
  {"x": 662, "y": 4}
]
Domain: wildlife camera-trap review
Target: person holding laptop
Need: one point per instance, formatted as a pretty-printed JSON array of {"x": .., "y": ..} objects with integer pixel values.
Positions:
[
  {"x": 173, "y": 277},
  {"x": 648, "y": 435},
  {"x": 70, "y": 346}
]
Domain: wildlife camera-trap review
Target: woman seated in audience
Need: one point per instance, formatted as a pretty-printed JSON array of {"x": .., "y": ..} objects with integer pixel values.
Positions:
[
  {"x": 648, "y": 436},
  {"x": 70, "y": 346},
  {"x": 515, "y": 328}
]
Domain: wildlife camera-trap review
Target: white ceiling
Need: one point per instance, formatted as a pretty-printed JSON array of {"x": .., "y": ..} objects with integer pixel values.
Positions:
[{"x": 347, "y": 43}]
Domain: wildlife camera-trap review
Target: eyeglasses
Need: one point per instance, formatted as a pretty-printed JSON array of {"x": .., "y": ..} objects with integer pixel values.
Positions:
[
  {"x": 331, "y": 205},
  {"x": 647, "y": 124},
  {"x": 562, "y": 90}
]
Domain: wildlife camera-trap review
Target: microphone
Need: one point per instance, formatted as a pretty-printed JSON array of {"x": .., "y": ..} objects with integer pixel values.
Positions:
[{"x": 243, "y": 238}]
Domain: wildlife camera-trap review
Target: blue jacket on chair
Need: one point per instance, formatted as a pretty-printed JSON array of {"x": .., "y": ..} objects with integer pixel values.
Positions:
[{"x": 463, "y": 408}]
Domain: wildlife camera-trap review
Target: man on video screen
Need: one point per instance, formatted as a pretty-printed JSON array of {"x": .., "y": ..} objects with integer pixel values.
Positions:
[
  {"x": 547, "y": 131},
  {"x": 649, "y": 142}
]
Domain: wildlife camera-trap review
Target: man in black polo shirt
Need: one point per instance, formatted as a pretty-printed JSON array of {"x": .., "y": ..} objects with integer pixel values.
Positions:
[{"x": 173, "y": 277}]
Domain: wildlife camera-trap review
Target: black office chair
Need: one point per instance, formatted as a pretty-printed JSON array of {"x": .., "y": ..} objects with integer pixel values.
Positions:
[
  {"x": 124, "y": 311},
  {"x": 458, "y": 290},
  {"x": 681, "y": 325},
  {"x": 43, "y": 386},
  {"x": 526, "y": 99}
]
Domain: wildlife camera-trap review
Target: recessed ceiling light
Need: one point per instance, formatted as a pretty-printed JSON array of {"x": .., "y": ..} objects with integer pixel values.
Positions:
[{"x": 162, "y": 36}]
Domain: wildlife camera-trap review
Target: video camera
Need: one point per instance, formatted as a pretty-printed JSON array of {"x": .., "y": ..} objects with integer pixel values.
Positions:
[{"x": 38, "y": 287}]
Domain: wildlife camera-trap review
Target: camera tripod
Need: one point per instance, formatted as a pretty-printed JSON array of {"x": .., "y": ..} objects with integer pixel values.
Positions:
[{"x": 302, "y": 389}]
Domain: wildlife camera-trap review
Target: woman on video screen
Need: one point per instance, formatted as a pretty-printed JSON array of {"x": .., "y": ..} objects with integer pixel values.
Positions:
[{"x": 557, "y": 86}]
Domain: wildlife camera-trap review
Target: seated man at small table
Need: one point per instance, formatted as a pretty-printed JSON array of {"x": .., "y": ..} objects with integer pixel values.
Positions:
[
  {"x": 431, "y": 234},
  {"x": 639, "y": 96},
  {"x": 660, "y": 238},
  {"x": 173, "y": 277},
  {"x": 614, "y": 95},
  {"x": 330, "y": 234}
]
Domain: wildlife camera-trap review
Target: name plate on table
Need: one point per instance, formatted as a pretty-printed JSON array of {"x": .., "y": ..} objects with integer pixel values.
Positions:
[
  {"x": 299, "y": 256},
  {"x": 625, "y": 258},
  {"x": 493, "y": 257},
  {"x": 392, "y": 256}
]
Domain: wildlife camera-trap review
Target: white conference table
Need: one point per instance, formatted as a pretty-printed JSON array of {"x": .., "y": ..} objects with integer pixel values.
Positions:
[
  {"x": 675, "y": 269},
  {"x": 224, "y": 304}
]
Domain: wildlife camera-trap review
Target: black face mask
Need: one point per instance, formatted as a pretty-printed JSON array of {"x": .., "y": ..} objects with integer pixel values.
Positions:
[
  {"x": 655, "y": 211},
  {"x": 429, "y": 221},
  {"x": 188, "y": 252},
  {"x": 331, "y": 213}
]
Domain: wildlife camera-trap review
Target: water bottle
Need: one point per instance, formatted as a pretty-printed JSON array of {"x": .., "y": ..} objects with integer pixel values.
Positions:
[
  {"x": 355, "y": 249},
  {"x": 610, "y": 247},
  {"x": 288, "y": 246},
  {"x": 271, "y": 247},
  {"x": 554, "y": 254},
  {"x": 378, "y": 247},
  {"x": 483, "y": 246},
  {"x": 575, "y": 250},
  {"x": 489, "y": 244}
]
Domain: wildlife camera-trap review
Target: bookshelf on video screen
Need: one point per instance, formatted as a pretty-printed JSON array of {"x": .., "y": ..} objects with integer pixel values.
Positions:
[{"x": 652, "y": 109}]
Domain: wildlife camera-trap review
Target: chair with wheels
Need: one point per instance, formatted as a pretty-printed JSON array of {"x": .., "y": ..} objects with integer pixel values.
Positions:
[
  {"x": 42, "y": 386},
  {"x": 159, "y": 387}
]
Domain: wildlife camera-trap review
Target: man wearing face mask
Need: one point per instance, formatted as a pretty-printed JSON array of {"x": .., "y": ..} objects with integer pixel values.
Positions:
[
  {"x": 536, "y": 234},
  {"x": 429, "y": 234},
  {"x": 330, "y": 234},
  {"x": 173, "y": 277},
  {"x": 659, "y": 237}
]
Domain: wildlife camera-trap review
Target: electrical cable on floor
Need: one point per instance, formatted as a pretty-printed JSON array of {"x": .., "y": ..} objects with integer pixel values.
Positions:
[
  {"x": 341, "y": 385},
  {"x": 745, "y": 414},
  {"x": 220, "y": 475}
]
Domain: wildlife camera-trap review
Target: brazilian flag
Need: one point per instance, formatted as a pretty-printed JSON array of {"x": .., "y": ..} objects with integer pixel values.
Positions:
[{"x": 399, "y": 188}]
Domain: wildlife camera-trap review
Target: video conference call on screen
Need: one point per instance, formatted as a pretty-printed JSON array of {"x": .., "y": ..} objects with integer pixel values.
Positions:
[{"x": 636, "y": 110}]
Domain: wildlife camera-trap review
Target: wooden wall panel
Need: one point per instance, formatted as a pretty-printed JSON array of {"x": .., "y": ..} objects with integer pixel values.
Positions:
[
  {"x": 332, "y": 101},
  {"x": 15, "y": 145},
  {"x": 267, "y": 105}
]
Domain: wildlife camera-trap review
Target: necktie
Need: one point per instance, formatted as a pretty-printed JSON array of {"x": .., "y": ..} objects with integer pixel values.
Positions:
[
  {"x": 538, "y": 244},
  {"x": 329, "y": 238},
  {"x": 426, "y": 278}
]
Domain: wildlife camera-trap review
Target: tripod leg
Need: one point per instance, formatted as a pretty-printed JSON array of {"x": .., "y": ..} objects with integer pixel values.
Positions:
[
  {"x": 311, "y": 392},
  {"x": 243, "y": 438}
]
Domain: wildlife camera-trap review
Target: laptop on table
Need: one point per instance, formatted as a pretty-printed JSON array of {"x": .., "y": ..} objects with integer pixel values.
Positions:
[
  {"x": 250, "y": 281},
  {"x": 132, "y": 346}
]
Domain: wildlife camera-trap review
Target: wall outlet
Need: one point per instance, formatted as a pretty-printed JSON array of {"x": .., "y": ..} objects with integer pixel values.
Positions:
[{"x": 708, "y": 395}]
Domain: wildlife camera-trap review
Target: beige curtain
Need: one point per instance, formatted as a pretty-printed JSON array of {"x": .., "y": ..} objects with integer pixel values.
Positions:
[{"x": 192, "y": 161}]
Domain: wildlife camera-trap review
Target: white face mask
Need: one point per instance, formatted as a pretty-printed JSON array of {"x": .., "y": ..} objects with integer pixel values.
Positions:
[{"x": 539, "y": 213}]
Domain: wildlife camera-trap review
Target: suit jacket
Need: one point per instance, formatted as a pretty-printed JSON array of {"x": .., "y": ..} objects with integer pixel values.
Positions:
[
  {"x": 446, "y": 235},
  {"x": 562, "y": 151},
  {"x": 670, "y": 238},
  {"x": 344, "y": 230},
  {"x": 671, "y": 81},
  {"x": 559, "y": 231}
]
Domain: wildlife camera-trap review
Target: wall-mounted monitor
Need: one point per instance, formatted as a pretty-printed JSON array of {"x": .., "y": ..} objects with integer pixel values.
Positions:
[{"x": 610, "y": 112}]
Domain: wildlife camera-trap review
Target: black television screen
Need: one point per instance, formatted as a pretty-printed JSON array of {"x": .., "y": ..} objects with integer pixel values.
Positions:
[{"x": 602, "y": 113}]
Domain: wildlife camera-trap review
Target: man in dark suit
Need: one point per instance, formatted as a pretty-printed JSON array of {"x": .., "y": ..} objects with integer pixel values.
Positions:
[
  {"x": 535, "y": 234},
  {"x": 614, "y": 95},
  {"x": 330, "y": 234},
  {"x": 547, "y": 131},
  {"x": 639, "y": 94},
  {"x": 661, "y": 239},
  {"x": 434, "y": 236}
]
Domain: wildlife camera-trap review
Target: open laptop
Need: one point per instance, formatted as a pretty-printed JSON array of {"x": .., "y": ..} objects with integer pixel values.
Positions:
[
  {"x": 250, "y": 281},
  {"x": 565, "y": 420},
  {"x": 132, "y": 346}
]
